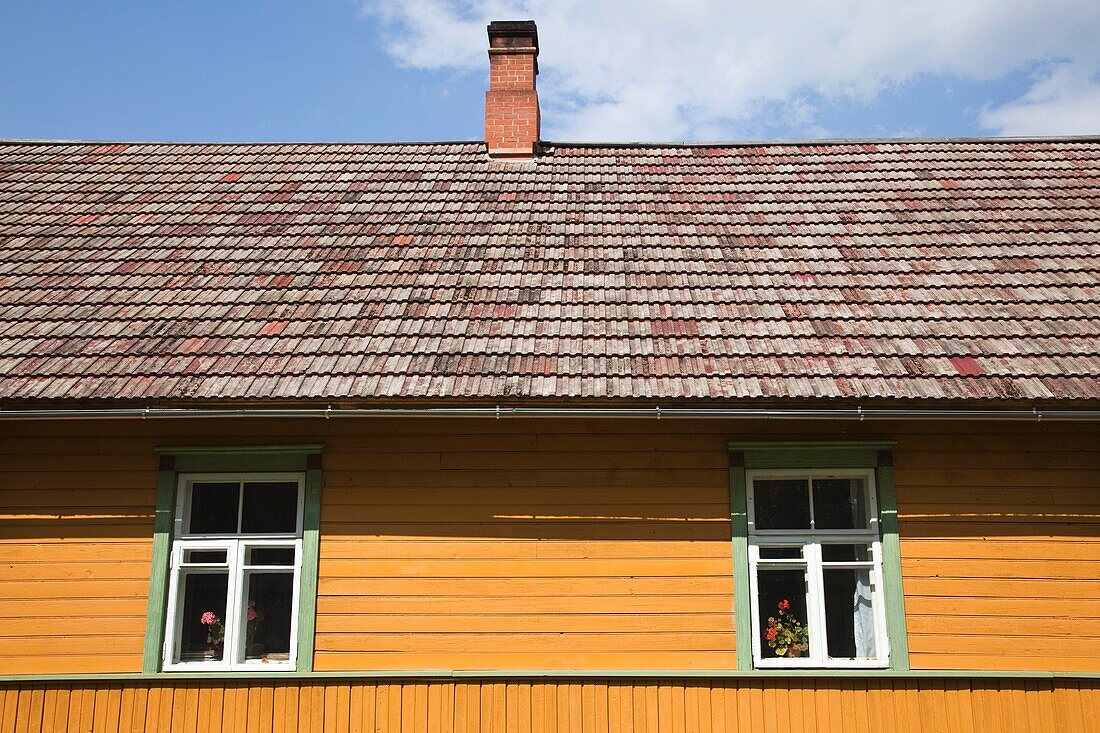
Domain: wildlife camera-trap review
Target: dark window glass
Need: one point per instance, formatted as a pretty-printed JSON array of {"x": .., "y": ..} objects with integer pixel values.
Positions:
[
  {"x": 267, "y": 616},
  {"x": 780, "y": 553},
  {"x": 215, "y": 557},
  {"x": 846, "y": 553},
  {"x": 270, "y": 507},
  {"x": 270, "y": 556},
  {"x": 840, "y": 503},
  {"x": 203, "y": 624},
  {"x": 781, "y": 504},
  {"x": 214, "y": 507},
  {"x": 849, "y": 624},
  {"x": 784, "y": 630}
]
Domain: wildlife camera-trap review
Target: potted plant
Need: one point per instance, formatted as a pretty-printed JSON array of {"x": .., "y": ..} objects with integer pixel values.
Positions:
[
  {"x": 786, "y": 635},
  {"x": 215, "y": 635},
  {"x": 255, "y": 618}
]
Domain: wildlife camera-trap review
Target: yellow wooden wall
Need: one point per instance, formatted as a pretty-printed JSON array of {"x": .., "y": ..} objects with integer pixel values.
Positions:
[
  {"x": 1000, "y": 545},
  {"x": 642, "y": 706},
  {"x": 556, "y": 544},
  {"x": 76, "y": 522},
  {"x": 525, "y": 548}
]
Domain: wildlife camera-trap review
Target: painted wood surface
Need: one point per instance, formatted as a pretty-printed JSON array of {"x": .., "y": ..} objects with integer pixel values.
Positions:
[
  {"x": 75, "y": 547},
  {"x": 675, "y": 706},
  {"x": 567, "y": 544},
  {"x": 1000, "y": 543}
]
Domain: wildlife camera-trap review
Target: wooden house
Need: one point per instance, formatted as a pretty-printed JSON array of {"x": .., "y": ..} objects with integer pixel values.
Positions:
[{"x": 522, "y": 436}]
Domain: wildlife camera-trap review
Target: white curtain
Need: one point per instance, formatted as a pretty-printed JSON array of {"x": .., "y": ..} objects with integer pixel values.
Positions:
[{"x": 863, "y": 622}]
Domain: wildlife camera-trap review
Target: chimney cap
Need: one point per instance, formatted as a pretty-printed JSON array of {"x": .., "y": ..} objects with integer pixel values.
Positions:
[{"x": 513, "y": 34}]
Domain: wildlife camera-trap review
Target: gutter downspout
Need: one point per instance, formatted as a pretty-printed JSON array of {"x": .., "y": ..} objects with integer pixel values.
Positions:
[{"x": 497, "y": 412}]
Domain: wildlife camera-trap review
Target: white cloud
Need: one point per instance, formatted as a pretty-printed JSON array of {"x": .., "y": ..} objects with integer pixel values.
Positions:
[
  {"x": 1066, "y": 99},
  {"x": 710, "y": 69}
]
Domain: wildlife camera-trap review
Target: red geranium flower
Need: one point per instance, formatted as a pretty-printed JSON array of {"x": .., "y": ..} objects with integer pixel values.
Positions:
[
  {"x": 771, "y": 633},
  {"x": 784, "y": 604}
]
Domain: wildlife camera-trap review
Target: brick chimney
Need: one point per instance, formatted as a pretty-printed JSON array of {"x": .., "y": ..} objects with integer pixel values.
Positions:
[{"x": 512, "y": 104}]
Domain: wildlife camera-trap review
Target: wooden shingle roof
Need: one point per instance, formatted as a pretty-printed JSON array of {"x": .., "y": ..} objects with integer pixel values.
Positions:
[{"x": 892, "y": 270}]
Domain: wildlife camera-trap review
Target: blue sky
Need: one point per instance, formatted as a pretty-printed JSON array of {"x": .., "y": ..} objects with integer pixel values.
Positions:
[{"x": 646, "y": 70}]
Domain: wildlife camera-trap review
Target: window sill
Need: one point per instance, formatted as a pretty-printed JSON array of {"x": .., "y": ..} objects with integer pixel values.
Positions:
[
  {"x": 812, "y": 665},
  {"x": 261, "y": 668}
]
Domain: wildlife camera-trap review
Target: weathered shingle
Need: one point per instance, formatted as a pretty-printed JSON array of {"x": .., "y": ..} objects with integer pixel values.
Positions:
[{"x": 943, "y": 270}]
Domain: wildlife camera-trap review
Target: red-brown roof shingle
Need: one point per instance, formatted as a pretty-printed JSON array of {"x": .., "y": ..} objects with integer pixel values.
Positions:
[{"x": 926, "y": 270}]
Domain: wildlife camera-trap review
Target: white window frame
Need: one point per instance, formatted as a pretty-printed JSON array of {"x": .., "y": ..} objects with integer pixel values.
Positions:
[
  {"x": 236, "y": 545},
  {"x": 811, "y": 540}
]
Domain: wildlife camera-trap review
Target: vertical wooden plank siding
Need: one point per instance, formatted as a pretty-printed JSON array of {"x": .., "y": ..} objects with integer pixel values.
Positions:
[
  {"x": 556, "y": 544},
  {"x": 655, "y": 706}
]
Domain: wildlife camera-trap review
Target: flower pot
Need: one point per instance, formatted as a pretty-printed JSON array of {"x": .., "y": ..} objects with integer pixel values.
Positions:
[
  {"x": 210, "y": 653},
  {"x": 255, "y": 650},
  {"x": 797, "y": 650}
]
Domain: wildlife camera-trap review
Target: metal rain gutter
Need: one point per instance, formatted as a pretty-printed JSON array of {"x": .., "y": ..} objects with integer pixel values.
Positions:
[{"x": 498, "y": 411}]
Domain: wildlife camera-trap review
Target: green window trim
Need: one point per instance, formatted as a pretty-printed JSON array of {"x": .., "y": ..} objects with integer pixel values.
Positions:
[
  {"x": 817, "y": 455},
  {"x": 304, "y": 459}
]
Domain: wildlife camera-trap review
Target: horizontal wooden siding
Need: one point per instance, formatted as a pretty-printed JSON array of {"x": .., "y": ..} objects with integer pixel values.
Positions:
[
  {"x": 525, "y": 549},
  {"x": 565, "y": 544},
  {"x": 76, "y": 526},
  {"x": 1000, "y": 544}
]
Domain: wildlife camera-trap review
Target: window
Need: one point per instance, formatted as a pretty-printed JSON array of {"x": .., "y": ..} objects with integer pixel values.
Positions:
[
  {"x": 815, "y": 569},
  {"x": 236, "y": 560}
]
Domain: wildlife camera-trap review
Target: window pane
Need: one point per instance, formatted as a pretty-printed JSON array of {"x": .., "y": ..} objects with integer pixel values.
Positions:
[
  {"x": 846, "y": 553},
  {"x": 780, "y": 553},
  {"x": 781, "y": 504},
  {"x": 270, "y": 507},
  {"x": 270, "y": 556},
  {"x": 214, "y": 507},
  {"x": 784, "y": 629},
  {"x": 267, "y": 623},
  {"x": 849, "y": 622},
  {"x": 202, "y": 633},
  {"x": 206, "y": 557},
  {"x": 840, "y": 503}
]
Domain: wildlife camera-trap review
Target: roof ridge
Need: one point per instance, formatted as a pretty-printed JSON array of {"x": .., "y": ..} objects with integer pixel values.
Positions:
[
  {"x": 550, "y": 144},
  {"x": 825, "y": 141},
  {"x": 234, "y": 143}
]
